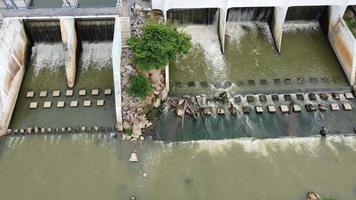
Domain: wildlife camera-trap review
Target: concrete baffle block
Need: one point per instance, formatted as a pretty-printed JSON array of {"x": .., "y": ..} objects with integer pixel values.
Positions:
[
  {"x": 271, "y": 109},
  {"x": 95, "y": 92},
  {"x": 82, "y": 92},
  {"x": 334, "y": 107},
  {"x": 100, "y": 102},
  {"x": 259, "y": 109},
  {"x": 347, "y": 106},
  {"x": 87, "y": 103},
  {"x": 74, "y": 104},
  {"x": 60, "y": 104},
  {"x": 69, "y": 93},
  {"x": 107, "y": 92},
  {"x": 33, "y": 105},
  {"x": 349, "y": 95},
  {"x": 296, "y": 108},
  {"x": 56, "y": 93},
  {"x": 284, "y": 109},
  {"x": 43, "y": 94},
  {"x": 30, "y": 94},
  {"x": 47, "y": 104}
]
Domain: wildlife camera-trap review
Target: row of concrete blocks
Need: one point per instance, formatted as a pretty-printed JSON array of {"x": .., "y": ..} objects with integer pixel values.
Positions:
[
  {"x": 261, "y": 82},
  {"x": 283, "y": 108},
  {"x": 300, "y": 97},
  {"x": 69, "y": 93},
  {"x": 61, "y": 104},
  {"x": 83, "y": 129}
]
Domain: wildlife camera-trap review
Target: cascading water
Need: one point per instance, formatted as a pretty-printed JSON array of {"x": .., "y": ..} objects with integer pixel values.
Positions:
[
  {"x": 49, "y": 56},
  {"x": 306, "y": 13},
  {"x": 202, "y": 26},
  {"x": 43, "y": 31},
  {"x": 97, "y": 55},
  {"x": 95, "y": 30}
]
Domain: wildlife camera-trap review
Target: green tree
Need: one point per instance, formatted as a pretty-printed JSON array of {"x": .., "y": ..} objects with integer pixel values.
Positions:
[
  {"x": 139, "y": 86},
  {"x": 157, "y": 45}
]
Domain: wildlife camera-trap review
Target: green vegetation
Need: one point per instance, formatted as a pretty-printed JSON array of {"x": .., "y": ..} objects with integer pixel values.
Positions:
[
  {"x": 139, "y": 86},
  {"x": 328, "y": 198},
  {"x": 350, "y": 20},
  {"x": 129, "y": 131},
  {"x": 158, "y": 44}
]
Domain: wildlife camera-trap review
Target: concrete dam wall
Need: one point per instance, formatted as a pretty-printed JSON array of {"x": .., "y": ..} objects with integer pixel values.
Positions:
[
  {"x": 13, "y": 45},
  {"x": 339, "y": 34}
]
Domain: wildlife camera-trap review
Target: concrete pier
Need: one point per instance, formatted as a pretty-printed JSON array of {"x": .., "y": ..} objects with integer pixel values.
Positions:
[
  {"x": 116, "y": 63},
  {"x": 69, "y": 39},
  {"x": 277, "y": 25},
  {"x": 13, "y": 45}
]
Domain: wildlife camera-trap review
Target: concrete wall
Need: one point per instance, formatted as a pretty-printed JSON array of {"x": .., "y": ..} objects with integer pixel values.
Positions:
[
  {"x": 280, "y": 11},
  {"x": 116, "y": 63},
  {"x": 344, "y": 45},
  {"x": 13, "y": 45},
  {"x": 17, "y": 3},
  {"x": 69, "y": 39}
]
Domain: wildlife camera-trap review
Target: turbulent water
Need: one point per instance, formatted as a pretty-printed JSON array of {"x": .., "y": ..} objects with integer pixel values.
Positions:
[
  {"x": 98, "y": 55},
  {"x": 214, "y": 60},
  {"x": 87, "y": 166},
  {"x": 48, "y": 56}
]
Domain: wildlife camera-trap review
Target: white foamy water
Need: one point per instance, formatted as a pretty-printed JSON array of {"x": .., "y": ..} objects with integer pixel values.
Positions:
[
  {"x": 292, "y": 26},
  {"x": 98, "y": 55},
  {"x": 47, "y": 56},
  {"x": 309, "y": 146},
  {"x": 206, "y": 37},
  {"x": 237, "y": 30}
]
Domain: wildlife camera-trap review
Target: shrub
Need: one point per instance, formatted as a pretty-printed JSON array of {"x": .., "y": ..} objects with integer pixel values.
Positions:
[
  {"x": 157, "y": 45},
  {"x": 139, "y": 86}
]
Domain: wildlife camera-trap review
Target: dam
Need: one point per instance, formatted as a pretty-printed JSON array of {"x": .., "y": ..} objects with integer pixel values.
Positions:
[{"x": 262, "y": 105}]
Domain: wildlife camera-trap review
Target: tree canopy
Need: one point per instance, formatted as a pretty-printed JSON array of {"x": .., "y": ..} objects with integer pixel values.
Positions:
[{"x": 157, "y": 45}]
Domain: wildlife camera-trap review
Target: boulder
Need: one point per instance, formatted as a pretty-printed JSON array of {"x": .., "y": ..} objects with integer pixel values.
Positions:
[
  {"x": 223, "y": 95},
  {"x": 133, "y": 157},
  {"x": 157, "y": 103},
  {"x": 313, "y": 196},
  {"x": 180, "y": 111},
  {"x": 232, "y": 110},
  {"x": 164, "y": 94},
  {"x": 136, "y": 129},
  {"x": 207, "y": 110}
]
